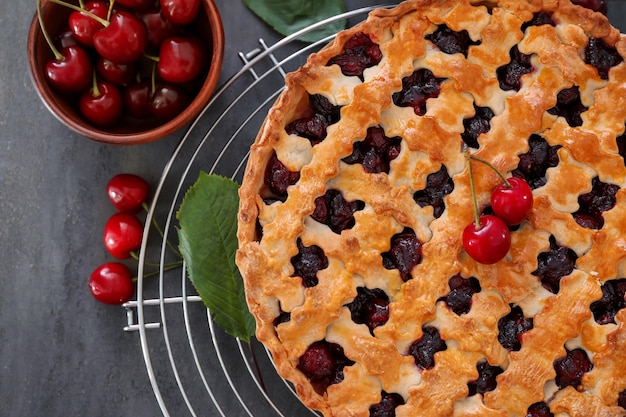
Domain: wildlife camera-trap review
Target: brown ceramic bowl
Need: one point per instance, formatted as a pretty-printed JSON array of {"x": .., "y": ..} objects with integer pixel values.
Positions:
[{"x": 127, "y": 130}]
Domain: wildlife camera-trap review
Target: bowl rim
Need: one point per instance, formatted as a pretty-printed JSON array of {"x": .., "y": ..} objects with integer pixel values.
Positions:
[{"x": 47, "y": 95}]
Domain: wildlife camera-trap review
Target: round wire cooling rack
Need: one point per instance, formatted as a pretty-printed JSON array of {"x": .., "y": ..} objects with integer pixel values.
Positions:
[{"x": 194, "y": 367}]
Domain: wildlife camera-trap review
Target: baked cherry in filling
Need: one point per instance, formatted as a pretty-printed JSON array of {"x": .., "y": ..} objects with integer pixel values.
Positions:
[
  {"x": 323, "y": 364},
  {"x": 405, "y": 252},
  {"x": 486, "y": 378},
  {"x": 569, "y": 106},
  {"x": 423, "y": 350},
  {"x": 511, "y": 327},
  {"x": 387, "y": 405},
  {"x": 450, "y": 41},
  {"x": 540, "y": 18},
  {"x": 459, "y": 299},
  {"x": 370, "y": 307},
  {"x": 313, "y": 127},
  {"x": 612, "y": 301},
  {"x": 533, "y": 164},
  {"x": 307, "y": 262},
  {"x": 277, "y": 178},
  {"x": 438, "y": 185},
  {"x": 359, "y": 53},
  {"x": 510, "y": 75},
  {"x": 539, "y": 409},
  {"x": 553, "y": 265},
  {"x": 417, "y": 88},
  {"x": 570, "y": 368},
  {"x": 476, "y": 125},
  {"x": 375, "y": 152},
  {"x": 335, "y": 212},
  {"x": 601, "y": 56},
  {"x": 601, "y": 198}
]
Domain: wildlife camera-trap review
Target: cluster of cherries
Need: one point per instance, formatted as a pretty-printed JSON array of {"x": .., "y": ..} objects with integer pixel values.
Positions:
[
  {"x": 113, "y": 282},
  {"x": 135, "y": 57},
  {"x": 488, "y": 239}
]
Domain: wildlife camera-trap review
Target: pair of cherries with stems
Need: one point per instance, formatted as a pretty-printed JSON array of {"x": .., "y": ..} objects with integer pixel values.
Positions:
[
  {"x": 107, "y": 47},
  {"x": 488, "y": 239},
  {"x": 113, "y": 282}
]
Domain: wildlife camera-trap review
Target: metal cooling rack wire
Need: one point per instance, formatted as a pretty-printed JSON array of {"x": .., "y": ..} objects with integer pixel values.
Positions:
[{"x": 137, "y": 322}]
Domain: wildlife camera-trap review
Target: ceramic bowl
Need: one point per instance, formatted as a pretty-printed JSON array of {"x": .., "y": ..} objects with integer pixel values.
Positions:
[{"x": 127, "y": 130}]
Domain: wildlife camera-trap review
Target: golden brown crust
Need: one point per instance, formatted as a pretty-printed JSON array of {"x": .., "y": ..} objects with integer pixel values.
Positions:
[{"x": 381, "y": 361}]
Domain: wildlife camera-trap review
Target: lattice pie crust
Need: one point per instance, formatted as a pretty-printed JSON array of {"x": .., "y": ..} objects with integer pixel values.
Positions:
[{"x": 351, "y": 249}]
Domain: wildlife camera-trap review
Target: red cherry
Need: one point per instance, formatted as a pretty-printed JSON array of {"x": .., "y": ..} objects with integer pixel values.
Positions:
[
  {"x": 595, "y": 5},
  {"x": 65, "y": 38},
  {"x": 83, "y": 26},
  {"x": 168, "y": 101},
  {"x": 72, "y": 73},
  {"x": 181, "y": 12},
  {"x": 180, "y": 59},
  {"x": 119, "y": 74},
  {"x": 489, "y": 242},
  {"x": 512, "y": 203},
  {"x": 122, "y": 235},
  {"x": 137, "y": 99},
  {"x": 102, "y": 104},
  {"x": 127, "y": 192},
  {"x": 112, "y": 283},
  {"x": 159, "y": 28},
  {"x": 123, "y": 41}
]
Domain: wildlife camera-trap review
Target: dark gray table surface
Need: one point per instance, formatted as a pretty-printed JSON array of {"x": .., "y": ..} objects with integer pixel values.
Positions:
[{"x": 61, "y": 352}]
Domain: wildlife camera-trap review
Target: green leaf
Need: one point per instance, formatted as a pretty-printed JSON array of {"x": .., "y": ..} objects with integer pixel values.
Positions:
[
  {"x": 289, "y": 16},
  {"x": 208, "y": 242}
]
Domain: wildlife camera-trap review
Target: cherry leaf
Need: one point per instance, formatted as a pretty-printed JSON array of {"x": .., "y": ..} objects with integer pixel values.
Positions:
[
  {"x": 208, "y": 241},
  {"x": 289, "y": 16}
]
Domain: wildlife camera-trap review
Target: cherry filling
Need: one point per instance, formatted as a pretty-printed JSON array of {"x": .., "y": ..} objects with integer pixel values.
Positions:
[
  {"x": 539, "y": 19},
  {"x": 533, "y": 164},
  {"x": 323, "y": 364},
  {"x": 450, "y": 41},
  {"x": 459, "y": 299},
  {"x": 612, "y": 301},
  {"x": 334, "y": 211},
  {"x": 359, "y": 53},
  {"x": 423, "y": 350},
  {"x": 510, "y": 75},
  {"x": 375, "y": 152},
  {"x": 313, "y": 127},
  {"x": 307, "y": 262},
  {"x": 601, "y": 56},
  {"x": 405, "y": 253},
  {"x": 278, "y": 178},
  {"x": 553, "y": 265},
  {"x": 486, "y": 379},
  {"x": 621, "y": 399},
  {"x": 477, "y": 125},
  {"x": 417, "y": 88},
  {"x": 569, "y": 106},
  {"x": 539, "y": 409},
  {"x": 621, "y": 146},
  {"x": 438, "y": 186},
  {"x": 601, "y": 198},
  {"x": 370, "y": 307},
  {"x": 511, "y": 327},
  {"x": 570, "y": 368},
  {"x": 283, "y": 317},
  {"x": 387, "y": 405}
]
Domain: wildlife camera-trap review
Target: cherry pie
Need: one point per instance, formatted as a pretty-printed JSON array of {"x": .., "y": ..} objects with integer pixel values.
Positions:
[{"x": 357, "y": 192}]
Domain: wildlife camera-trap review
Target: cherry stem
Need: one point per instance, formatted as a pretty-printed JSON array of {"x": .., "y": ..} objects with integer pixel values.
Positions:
[
  {"x": 95, "y": 90},
  {"x": 507, "y": 184},
  {"x": 166, "y": 267},
  {"x": 100, "y": 20},
  {"x": 156, "y": 225},
  {"x": 468, "y": 161},
  {"x": 46, "y": 35}
]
